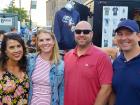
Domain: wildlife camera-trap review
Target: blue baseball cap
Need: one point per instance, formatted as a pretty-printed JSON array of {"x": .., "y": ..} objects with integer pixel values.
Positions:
[{"x": 130, "y": 24}]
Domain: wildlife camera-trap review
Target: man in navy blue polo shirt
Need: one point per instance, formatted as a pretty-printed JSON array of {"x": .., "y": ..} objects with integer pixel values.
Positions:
[{"x": 126, "y": 79}]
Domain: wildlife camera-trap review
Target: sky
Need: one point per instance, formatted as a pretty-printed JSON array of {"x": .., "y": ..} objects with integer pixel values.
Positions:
[
  {"x": 37, "y": 14},
  {"x": 24, "y": 3},
  {"x": 4, "y": 3}
]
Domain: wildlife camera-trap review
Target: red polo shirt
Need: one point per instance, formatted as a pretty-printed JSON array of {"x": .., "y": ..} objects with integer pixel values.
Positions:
[{"x": 84, "y": 76}]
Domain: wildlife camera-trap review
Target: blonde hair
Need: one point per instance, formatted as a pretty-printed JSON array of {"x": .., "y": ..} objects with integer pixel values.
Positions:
[{"x": 55, "y": 57}]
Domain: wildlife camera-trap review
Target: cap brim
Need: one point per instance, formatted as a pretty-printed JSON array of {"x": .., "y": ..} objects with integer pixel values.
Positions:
[{"x": 123, "y": 27}]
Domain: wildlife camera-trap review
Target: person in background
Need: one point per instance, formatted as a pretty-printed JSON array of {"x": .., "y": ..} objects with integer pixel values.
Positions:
[
  {"x": 46, "y": 72},
  {"x": 14, "y": 81},
  {"x": 126, "y": 84},
  {"x": 30, "y": 33},
  {"x": 88, "y": 71},
  {"x": 31, "y": 44},
  {"x": 13, "y": 29},
  {"x": 112, "y": 52},
  {"x": 1, "y": 36},
  {"x": 33, "y": 41}
]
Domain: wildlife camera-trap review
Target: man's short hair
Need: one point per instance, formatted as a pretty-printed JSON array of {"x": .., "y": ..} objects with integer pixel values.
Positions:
[{"x": 13, "y": 28}]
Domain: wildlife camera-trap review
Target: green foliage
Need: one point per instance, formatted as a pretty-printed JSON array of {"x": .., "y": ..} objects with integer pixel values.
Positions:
[{"x": 22, "y": 14}]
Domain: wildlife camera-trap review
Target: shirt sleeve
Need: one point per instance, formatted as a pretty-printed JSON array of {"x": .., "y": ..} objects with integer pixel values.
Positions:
[{"x": 105, "y": 70}]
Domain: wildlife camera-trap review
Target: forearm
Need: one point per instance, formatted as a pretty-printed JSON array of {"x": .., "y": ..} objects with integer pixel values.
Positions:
[
  {"x": 112, "y": 99},
  {"x": 103, "y": 95}
]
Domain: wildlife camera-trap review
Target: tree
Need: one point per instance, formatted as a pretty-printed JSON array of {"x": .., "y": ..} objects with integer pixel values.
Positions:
[{"x": 22, "y": 14}]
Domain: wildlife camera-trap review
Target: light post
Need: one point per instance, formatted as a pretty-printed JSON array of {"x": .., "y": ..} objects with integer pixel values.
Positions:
[{"x": 33, "y": 4}]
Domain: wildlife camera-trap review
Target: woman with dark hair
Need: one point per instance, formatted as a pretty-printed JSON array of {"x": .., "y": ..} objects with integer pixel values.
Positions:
[{"x": 14, "y": 82}]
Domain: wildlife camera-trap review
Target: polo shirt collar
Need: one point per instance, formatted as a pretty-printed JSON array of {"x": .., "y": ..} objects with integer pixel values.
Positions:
[
  {"x": 122, "y": 57},
  {"x": 88, "y": 52}
]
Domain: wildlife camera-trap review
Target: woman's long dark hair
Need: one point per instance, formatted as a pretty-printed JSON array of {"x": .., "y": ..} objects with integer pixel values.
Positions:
[{"x": 3, "y": 57}]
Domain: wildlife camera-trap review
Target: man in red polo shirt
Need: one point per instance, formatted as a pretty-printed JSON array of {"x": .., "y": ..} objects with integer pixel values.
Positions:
[{"x": 88, "y": 71}]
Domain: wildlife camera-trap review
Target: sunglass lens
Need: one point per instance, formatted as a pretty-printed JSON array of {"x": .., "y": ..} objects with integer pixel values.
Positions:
[
  {"x": 78, "y": 31},
  {"x": 86, "y": 31}
]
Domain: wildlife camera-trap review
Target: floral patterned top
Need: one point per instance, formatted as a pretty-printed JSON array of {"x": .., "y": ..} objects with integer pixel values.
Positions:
[{"x": 13, "y": 91}]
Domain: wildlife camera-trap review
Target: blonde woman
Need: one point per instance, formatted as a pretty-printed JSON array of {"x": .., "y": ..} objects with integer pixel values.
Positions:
[{"x": 46, "y": 72}]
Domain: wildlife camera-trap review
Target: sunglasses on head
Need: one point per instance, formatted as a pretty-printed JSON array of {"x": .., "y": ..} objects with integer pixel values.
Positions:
[{"x": 86, "y": 31}]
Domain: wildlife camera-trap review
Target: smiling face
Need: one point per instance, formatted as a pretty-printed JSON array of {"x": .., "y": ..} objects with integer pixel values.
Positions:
[
  {"x": 83, "y": 38},
  {"x": 14, "y": 50},
  {"x": 45, "y": 42},
  {"x": 127, "y": 40}
]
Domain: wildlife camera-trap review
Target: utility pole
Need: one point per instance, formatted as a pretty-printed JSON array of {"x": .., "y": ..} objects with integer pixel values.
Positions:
[
  {"x": 19, "y": 3},
  {"x": 19, "y": 15},
  {"x": 20, "y": 10},
  {"x": 12, "y": 5},
  {"x": 30, "y": 12}
]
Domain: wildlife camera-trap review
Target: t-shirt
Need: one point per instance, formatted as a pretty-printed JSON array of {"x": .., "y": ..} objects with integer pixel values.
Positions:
[
  {"x": 115, "y": 10},
  {"x": 64, "y": 24},
  {"x": 83, "y": 10},
  {"x": 107, "y": 10}
]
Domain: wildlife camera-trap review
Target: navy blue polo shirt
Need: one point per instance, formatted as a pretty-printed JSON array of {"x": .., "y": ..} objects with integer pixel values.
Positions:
[{"x": 126, "y": 80}]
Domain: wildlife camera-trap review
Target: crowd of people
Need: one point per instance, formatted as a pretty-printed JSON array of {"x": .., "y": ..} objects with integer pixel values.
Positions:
[{"x": 84, "y": 76}]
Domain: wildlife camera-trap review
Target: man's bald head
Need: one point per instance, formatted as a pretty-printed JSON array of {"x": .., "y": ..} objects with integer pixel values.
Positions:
[{"x": 83, "y": 25}]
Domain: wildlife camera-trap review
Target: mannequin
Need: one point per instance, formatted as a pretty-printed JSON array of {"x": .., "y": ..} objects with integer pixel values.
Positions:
[
  {"x": 65, "y": 20},
  {"x": 69, "y": 6}
]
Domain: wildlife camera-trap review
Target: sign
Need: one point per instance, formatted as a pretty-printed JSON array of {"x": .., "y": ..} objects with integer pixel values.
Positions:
[
  {"x": 112, "y": 15},
  {"x": 6, "y": 21}
]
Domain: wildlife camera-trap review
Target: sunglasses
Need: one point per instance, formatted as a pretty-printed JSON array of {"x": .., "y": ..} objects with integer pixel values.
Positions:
[{"x": 86, "y": 31}]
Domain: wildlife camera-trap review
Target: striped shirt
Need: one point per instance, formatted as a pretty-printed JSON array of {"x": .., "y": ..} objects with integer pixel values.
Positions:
[{"x": 41, "y": 83}]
